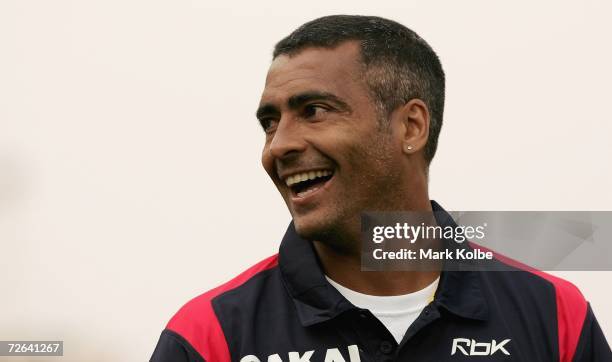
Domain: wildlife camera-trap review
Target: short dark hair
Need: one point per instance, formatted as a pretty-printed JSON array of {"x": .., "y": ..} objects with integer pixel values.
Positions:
[{"x": 398, "y": 64}]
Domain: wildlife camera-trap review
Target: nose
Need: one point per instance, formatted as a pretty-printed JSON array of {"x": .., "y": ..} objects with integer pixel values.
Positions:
[{"x": 287, "y": 139}]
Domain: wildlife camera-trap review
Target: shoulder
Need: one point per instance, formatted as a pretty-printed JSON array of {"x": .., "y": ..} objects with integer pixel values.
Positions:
[
  {"x": 542, "y": 292},
  {"x": 571, "y": 309},
  {"x": 532, "y": 282},
  {"x": 197, "y": 321}
]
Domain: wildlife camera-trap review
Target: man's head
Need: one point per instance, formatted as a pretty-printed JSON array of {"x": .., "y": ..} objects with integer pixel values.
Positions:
[{"x": 355, "y": 104}]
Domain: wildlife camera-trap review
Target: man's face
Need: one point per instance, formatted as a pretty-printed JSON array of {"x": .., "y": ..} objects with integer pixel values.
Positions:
[{"x": 325, "y": 149}]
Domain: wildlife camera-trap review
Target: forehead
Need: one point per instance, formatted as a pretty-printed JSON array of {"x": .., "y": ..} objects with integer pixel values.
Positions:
[{"x": 337, "y": 70}]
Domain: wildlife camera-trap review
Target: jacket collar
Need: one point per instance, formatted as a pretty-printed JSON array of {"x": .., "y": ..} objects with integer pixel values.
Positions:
[
  {"x": 315, "y": 299},
  {"x": 459, "y": 292}
]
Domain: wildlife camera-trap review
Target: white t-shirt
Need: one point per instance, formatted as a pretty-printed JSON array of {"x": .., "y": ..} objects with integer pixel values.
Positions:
[{"x": 395, "y": 312}]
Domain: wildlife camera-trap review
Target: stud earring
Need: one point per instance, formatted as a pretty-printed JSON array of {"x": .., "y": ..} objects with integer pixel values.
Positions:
[{"x": 408, "y": 148}]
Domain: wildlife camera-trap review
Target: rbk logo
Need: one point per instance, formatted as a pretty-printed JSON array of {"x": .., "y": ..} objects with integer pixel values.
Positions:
[{"x": 470, "y": 347}]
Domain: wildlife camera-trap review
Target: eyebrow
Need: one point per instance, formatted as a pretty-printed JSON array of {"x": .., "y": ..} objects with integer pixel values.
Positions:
[{"x": 298, "y": 100}]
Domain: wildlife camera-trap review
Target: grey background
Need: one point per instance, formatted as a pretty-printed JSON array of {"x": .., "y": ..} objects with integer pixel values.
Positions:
[{"x": 130, "y": 178}]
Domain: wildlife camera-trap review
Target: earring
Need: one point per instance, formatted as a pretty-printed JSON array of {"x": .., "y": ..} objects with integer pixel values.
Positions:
[{"x": 408, "y": 148}]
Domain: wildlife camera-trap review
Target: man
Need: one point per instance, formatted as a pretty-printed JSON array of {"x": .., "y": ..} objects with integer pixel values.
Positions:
[{"x": 352, "y": 109}]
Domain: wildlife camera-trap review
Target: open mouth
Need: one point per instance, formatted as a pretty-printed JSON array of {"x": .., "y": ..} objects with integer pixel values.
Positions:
[{"x": 305, "y": 183}]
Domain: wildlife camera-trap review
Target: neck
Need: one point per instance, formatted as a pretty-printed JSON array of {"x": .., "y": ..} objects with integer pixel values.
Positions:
[{"x": 345, "y": 267}]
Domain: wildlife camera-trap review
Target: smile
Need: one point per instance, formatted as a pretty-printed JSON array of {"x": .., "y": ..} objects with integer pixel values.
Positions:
[{"x": 304, "y": 183}]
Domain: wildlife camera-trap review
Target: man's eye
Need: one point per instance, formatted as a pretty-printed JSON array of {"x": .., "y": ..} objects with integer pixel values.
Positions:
[
  {"x": 268, "y": 124},
  {"x": 313, "y": 110}
]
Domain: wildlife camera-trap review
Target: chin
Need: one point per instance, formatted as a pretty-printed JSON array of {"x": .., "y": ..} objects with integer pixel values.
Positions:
[
  {"x": 314, "y": 226},
  {"x": 325, "y": 231},
  {"x": 310, "y": 229}
]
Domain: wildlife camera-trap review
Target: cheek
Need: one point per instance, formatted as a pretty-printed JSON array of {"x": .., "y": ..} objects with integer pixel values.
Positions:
[{"x": 372, "y": 162}]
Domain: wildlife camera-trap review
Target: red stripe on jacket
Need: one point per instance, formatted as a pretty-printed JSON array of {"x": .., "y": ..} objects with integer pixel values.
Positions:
[
  {"x": 571, "y": 306},
  {"x": 197, "y": 322}
]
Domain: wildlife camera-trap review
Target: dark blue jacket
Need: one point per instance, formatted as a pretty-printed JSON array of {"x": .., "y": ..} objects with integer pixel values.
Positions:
[{"x": 283, "y": 309}]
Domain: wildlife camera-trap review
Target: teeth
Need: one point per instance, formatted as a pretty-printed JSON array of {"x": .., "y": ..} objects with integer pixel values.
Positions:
[
  {"x": 304, "y": 193},
  {"x": 304, "y": 176}
]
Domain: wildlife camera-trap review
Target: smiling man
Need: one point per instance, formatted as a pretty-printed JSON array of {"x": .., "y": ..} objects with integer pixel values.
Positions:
[
  {"x": 331, "y": 152},
  {"x": 351, "y": 110}
]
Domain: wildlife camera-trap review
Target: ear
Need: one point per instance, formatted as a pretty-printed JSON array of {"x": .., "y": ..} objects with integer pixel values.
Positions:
[{"x": 414, "y": 125}]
